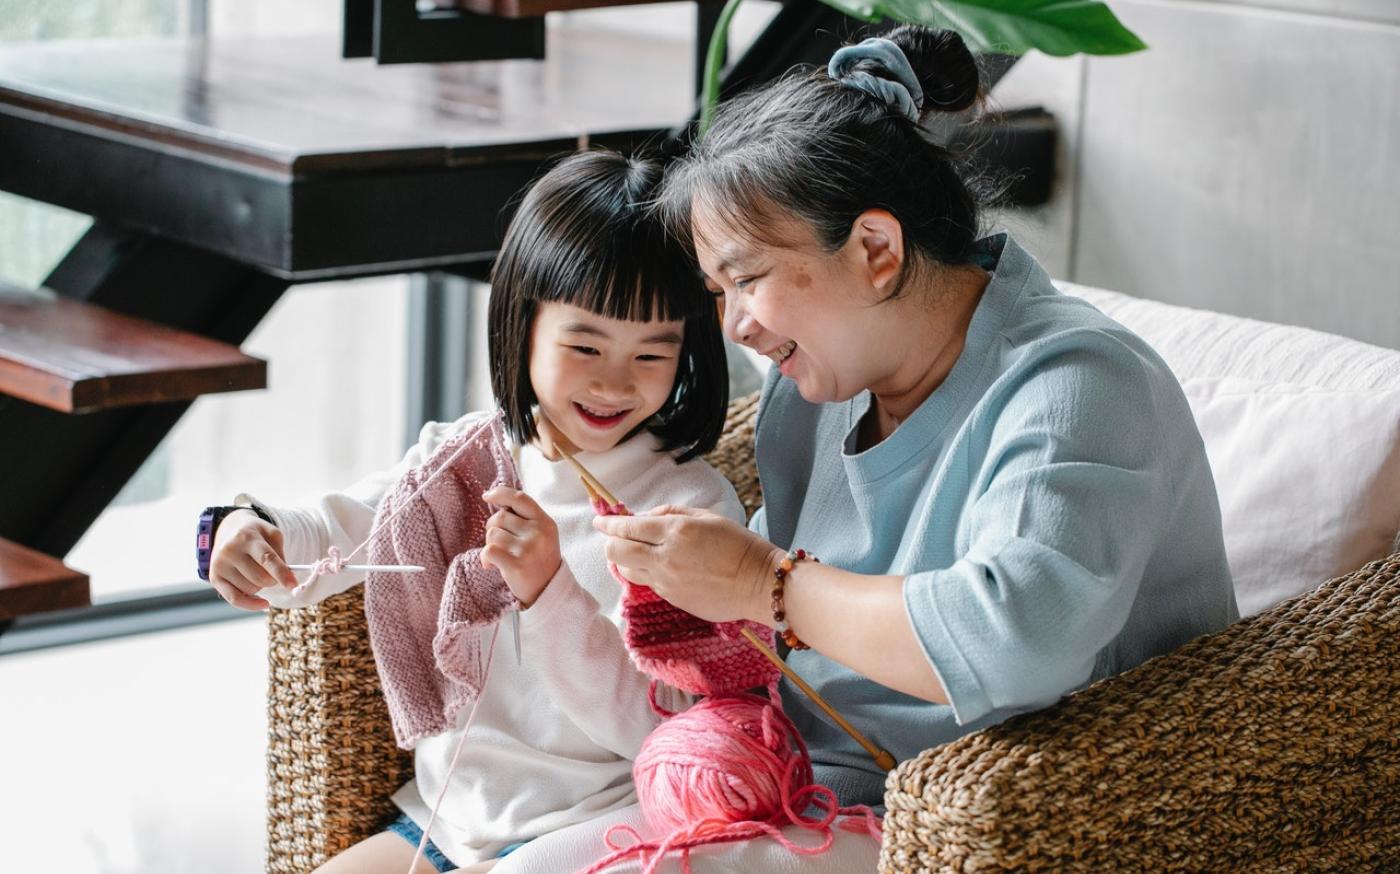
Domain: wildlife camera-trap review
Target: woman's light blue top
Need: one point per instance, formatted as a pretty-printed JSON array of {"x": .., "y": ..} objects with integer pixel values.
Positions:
[{"x": 1050, "y": 507}]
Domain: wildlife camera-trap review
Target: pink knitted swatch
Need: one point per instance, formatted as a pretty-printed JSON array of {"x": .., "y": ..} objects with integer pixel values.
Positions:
[
  {"x": 683, "y": 650},
  {"x": 428, "y": 629}
]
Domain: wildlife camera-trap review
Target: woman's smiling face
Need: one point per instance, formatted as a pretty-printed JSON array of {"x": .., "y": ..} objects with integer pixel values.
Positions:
[{"x": 812, "y": 311}]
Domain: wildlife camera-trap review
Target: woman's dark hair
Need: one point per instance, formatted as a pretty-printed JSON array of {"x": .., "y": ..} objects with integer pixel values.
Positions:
[
  {"x": 584, "y": 235},
  {"x": 824, "y": 151}
]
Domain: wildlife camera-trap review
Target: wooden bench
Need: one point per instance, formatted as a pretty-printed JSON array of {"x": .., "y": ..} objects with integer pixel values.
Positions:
[
  {"x": 77, "y": 358},
  {"x": 31, "y": 582}
]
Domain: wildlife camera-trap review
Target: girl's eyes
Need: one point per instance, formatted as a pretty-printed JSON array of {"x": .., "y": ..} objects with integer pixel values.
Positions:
[
  {"x": 653, "y": 358},
  {"x": 585, "y": 350}
]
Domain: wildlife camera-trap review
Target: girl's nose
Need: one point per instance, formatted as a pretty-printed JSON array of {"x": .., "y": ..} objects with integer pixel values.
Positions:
[{"x": 613, "y": 383}]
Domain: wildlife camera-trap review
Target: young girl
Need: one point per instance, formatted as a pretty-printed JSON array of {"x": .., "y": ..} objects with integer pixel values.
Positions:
[{"x": 602, "y": 339}]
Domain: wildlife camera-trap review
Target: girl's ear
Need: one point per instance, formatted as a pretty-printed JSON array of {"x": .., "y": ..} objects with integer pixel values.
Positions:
[{"x": 879, "y": 239}]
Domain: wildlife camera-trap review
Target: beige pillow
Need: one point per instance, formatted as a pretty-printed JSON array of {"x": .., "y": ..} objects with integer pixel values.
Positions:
[
  {"x": 1309, "y": 480},
  {"x": 1302, "y": 430}
]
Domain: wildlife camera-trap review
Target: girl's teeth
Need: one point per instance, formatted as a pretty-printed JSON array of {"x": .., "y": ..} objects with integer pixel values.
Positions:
[
  {"x": 781, "y": 354},
  {"x": 599, "y": 413}
]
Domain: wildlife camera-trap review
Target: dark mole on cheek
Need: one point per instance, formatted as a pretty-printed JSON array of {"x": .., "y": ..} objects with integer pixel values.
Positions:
[{"x": 802, "y": 280}]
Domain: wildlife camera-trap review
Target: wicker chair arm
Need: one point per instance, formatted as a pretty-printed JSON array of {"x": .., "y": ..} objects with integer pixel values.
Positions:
[{"x": 1273, "y": 745}]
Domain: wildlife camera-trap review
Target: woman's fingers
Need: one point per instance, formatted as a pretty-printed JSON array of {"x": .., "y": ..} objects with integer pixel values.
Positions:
[
  {"x": 642, "y": 529},
  {"x": 674, "y": 510},
  {"x": 630, "y": 554}
]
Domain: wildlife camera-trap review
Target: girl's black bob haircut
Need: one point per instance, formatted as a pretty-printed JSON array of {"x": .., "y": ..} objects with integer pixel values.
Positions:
[{"x": 585, "y": 235}]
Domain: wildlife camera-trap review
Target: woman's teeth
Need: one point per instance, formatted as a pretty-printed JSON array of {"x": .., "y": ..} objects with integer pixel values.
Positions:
[{"x": 781, "y": 354}]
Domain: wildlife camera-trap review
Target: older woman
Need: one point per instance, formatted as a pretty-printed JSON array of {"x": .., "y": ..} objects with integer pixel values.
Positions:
[{"x": 1006, "y": 488}]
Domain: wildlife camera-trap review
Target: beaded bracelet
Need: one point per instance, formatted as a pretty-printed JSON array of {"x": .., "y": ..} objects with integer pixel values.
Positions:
[{"x": 780, "y": 573}]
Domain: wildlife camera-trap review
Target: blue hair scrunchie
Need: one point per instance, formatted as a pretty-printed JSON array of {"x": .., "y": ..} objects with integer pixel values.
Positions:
[{"x": 906, "y": 95}]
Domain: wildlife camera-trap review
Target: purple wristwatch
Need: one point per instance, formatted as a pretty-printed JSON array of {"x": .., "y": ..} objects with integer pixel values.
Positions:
[{"x": 209, "y": 525}]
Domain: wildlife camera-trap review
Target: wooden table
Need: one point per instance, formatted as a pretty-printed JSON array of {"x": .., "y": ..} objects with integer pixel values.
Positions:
[{"x": 219, "y": 173}]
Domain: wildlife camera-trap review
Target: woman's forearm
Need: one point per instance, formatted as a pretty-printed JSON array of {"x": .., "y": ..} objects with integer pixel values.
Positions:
[{"x": 861, "y": 622}]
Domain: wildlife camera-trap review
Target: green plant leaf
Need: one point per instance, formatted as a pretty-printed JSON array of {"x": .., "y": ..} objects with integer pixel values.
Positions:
[{"x": 1055, "y": 27}]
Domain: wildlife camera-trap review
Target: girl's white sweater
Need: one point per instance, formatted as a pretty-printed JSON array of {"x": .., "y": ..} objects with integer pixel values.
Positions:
[{"x": 555, "y": 734}]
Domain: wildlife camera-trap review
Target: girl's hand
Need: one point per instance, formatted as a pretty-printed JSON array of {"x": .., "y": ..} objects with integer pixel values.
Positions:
[
  {"x": 701, "y": 562},
  {"x": 247, "y": 558},
  {"x": 522, "y": 541}
]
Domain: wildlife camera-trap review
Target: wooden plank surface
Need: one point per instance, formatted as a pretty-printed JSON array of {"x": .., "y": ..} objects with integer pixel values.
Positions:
[
  {"x": 293, "y": 105},
  {"x": 534, "y": 8},
  {"x": 76, "y": 358},
  {"x": 31, "y": 582}
]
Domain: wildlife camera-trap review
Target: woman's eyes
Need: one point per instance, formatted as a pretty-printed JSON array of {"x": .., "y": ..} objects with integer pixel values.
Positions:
[{"x": 585, "y": 350}]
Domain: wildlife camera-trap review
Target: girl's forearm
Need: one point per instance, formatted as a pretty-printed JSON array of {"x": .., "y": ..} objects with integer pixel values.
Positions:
[{"x": 861, "y": 622}]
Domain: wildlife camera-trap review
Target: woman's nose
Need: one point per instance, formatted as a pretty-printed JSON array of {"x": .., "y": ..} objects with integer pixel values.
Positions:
[{"x": 738, "y": 325}]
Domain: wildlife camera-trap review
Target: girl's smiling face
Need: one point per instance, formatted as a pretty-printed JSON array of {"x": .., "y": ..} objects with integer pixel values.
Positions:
[
  {"x": 597, "y": 379},
  {"x": 814, "y": 312}
]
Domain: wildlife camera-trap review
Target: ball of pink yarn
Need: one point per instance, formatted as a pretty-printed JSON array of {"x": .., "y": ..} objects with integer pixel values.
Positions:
[{"x": 728, "y": 759}]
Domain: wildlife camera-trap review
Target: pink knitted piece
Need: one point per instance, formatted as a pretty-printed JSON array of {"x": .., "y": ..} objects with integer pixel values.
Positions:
[
  {"x": 681, "y": 649},
  {"x": 428, "y": 629}
]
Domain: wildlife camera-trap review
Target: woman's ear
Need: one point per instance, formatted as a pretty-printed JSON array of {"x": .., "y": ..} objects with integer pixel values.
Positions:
[{"x": 880, "y": 246}]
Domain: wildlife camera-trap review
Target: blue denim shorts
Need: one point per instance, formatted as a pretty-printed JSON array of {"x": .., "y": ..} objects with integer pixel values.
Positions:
[{"x": 409, "y": 831}]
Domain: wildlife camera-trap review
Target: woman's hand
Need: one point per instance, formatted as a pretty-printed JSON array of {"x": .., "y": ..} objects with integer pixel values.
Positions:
[
  {"x": 247, "y": 558},
  {"x": 522, "y": 541},
  {"x": 701, "y": 562}
]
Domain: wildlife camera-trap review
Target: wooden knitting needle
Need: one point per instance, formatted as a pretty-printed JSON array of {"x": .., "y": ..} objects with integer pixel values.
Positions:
[
  {"x": 881, "y": 757},
  {"x": 389, "y": 568},
  {"x": 590, "y": 482}
]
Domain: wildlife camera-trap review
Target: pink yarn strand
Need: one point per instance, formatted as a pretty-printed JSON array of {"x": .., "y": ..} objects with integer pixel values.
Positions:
[
  {"x": 333, "y": 563},
  {"x": 447, "y": 781}
]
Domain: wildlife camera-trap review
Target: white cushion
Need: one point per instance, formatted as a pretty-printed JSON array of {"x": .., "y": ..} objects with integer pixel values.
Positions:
[{"x": 1303, "y": 434}]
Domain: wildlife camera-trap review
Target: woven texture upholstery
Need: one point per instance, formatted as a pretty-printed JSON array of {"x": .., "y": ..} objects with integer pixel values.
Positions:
[
  {"x": 331, "y": 758},
  {"x": 1272, "y": 746}
]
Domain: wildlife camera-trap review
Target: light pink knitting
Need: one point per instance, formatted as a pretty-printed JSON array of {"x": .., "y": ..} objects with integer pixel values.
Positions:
[{"x": 428, "y": 629}]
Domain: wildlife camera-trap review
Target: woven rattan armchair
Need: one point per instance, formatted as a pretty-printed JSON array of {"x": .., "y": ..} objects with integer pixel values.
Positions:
[{"x": 1271, "y": 746}]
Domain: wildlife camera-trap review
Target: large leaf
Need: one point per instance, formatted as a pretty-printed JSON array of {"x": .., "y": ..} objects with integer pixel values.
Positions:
[{"x": 1055, "y": 27}]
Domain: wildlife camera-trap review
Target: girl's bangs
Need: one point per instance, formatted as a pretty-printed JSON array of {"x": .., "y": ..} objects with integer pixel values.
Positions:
[{"x": 649, "y": 280}]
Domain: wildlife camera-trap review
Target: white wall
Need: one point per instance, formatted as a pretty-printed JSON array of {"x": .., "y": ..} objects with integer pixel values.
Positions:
[{"x": 1248, "y": 162}]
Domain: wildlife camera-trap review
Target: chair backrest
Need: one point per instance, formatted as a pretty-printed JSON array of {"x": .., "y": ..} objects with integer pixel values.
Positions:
[{"x": 1303, "y": 433}]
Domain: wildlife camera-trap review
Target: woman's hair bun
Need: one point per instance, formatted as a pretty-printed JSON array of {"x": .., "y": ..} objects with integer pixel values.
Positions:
[{"x": 945, "y": 66}]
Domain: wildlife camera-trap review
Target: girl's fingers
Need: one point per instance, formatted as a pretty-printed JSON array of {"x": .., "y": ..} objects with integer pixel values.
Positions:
[
  {"x": 236, "y": 578},
  {"x": 510, "y": 521},
  {"x": 277, "y": 568},
  {"x": 515, "y": 500},
  {"x": 254, "y": 572},
  {"x": 503, "y": 543},
  {"x": 237, "y": 598}
]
